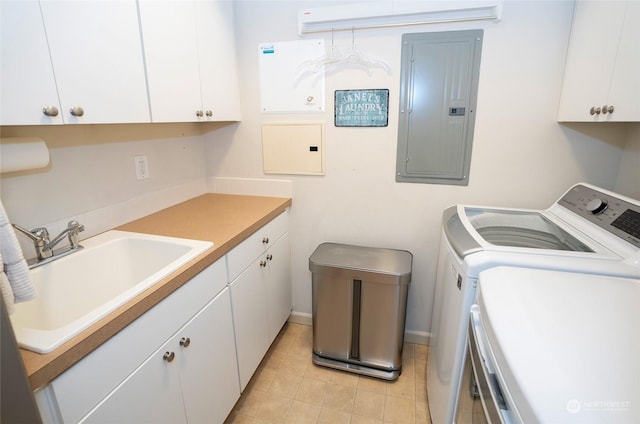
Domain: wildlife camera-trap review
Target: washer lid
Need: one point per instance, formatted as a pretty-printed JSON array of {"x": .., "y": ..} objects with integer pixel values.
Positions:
[
  {"x": 522, "y": 229},
  {"x": 567, "y": 346}
]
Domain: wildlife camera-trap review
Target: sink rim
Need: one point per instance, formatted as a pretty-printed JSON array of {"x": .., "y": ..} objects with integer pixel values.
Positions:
[{"x": 45, "y": 341}]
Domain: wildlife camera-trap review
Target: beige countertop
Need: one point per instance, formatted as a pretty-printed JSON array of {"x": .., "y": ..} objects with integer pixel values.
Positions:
[{"x": 223, "y": 219}]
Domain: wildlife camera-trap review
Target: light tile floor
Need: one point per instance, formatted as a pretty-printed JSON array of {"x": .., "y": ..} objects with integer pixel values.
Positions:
[{"x": 288, "y": 388}]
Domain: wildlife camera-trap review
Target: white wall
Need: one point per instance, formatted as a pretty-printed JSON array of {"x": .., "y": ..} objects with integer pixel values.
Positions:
[
  {"x": 521, "y": 156},
  {"x": 628, "y": 182},
  {"x": 91, "y": 175}
]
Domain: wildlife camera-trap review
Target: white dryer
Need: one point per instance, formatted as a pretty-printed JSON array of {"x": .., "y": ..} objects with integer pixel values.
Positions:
[
  {"x": 588, "y": 230},
  {"x": 553, "y": 347}
]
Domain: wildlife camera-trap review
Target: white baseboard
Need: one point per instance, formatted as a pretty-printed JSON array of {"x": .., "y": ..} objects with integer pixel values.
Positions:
[
  {"x": 301, "y": 318},
  {"x": 417, "y": 337},
  {"x": 410, "y": 336}
]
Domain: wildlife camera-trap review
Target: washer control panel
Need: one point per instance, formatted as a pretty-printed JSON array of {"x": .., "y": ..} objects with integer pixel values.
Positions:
[{"x": 617, "y": 216}]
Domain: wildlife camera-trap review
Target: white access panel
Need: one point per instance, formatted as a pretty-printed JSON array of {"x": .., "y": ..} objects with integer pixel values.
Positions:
[
  {"x": 289, "y": 81},
  {"x": 293, "y": 148}
]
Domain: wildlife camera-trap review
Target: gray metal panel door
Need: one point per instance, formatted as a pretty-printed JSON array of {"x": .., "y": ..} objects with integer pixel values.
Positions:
[{"x": 439, "y": 87}]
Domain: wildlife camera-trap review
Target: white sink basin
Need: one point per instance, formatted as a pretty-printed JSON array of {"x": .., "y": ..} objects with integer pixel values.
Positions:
[{"x": 76, "y": 291}]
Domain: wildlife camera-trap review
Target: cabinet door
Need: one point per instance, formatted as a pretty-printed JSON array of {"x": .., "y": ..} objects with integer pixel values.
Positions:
[
  {"x": 26, "y": 74},
  {"x": 208, "y": 365},
  {"x": 152, "y": 394},
  {"x": 171, "y": 55},
  {"x": 591, "y": 58},
  {"x": 278, "y": 281},
  {"x": 96, "y": 53},
  {"x": 249, "y": 305},
  {"x": 624, "y": 93},
  {"x": 217, "y": 58}
]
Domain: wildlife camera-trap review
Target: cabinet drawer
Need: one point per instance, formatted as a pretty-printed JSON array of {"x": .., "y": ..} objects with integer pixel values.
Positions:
[
  {"x": 241, "y": 256},
  {"x": 81, "y": 387}
]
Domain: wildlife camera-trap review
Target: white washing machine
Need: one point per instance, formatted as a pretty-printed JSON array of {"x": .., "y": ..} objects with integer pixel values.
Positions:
[
  {"x": 552, "y": 347},
  {"x": 588, "y": 230}
]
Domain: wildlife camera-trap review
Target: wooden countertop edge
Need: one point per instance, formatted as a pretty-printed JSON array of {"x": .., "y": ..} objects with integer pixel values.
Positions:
[{"x": 43, "y": 368}]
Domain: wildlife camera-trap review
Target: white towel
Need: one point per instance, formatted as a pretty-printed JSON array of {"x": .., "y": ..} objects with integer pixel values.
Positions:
[{"x": 15, "y": 282}]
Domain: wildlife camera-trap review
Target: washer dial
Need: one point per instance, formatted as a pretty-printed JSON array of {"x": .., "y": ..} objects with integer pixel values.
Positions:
[{"x": 596, "y": 206}]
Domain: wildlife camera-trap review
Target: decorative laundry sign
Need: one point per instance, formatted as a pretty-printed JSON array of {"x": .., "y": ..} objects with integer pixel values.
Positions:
[{"x": 362, "y": 108}]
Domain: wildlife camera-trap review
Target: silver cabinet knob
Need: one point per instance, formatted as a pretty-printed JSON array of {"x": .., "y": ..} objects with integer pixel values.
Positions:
[
  {"x": 185, "y": 341},
  {"x": 168, "y": 356},
  {"x": 263, "y": 264},
  {"x": 607, "y": 109},
  {"x": 50, "y": 110},
  {"x": 199, "y": 113},
  {"x": 265, "y": 240},
  {"x": 269, "y": 257},
  {"x": 594, "y": 111},
  {"x": 76, "y": 111},
  {"x": 209, "y": 113}
]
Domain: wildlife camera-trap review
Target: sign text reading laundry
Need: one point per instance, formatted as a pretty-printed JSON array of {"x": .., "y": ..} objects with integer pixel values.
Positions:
[{"x": 362, "y": 108}]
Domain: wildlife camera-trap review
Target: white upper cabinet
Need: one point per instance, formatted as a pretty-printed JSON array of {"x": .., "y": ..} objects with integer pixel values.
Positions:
[
  {"x": 190, "y": 58},
  {"x": 96, "y": 53},
  {"x": 217, "y": 55},
  {"x": 27, "y": 84},
  {"x": 603, "y": 63},
  {"x": 625, "y": 82}
]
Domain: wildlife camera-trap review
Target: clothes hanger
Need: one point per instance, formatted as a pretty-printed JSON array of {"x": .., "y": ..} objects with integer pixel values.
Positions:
[{"x": 354, "y": 56}]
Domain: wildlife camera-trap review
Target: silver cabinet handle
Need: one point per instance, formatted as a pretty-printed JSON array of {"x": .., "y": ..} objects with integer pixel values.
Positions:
[
  {"x": 607, "y": 109},
  {"x": 594, "y": 111},
  {"x": 265, "y": 240},
  {"x": 263, "y": 264},
  {"x": 50, "y": 110},
  {"x": 269, "y": 257},
  {"x": 168, "y": 356},
  {"x": 76, "y": 111},
  {"x": 185, "y": 341},
  {"x": 209, "y": 113},
  {"x": 199, "y": 113}
]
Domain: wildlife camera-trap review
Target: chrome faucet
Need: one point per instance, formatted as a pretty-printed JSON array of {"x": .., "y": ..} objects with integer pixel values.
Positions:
[{"x": 45, "y": 247}]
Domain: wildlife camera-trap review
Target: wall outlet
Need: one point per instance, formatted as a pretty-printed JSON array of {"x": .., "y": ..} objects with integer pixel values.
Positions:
[{"x": 142, "y": 167}]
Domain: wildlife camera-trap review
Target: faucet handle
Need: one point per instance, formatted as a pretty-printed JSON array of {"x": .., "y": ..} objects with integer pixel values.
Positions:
[
  {"x": 73, "y": 228},
  {"x": 39, "y": 234}
]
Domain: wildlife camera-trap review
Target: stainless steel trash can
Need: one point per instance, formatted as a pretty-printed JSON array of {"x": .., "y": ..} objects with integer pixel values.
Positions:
[{"x": 359, "y": 307}]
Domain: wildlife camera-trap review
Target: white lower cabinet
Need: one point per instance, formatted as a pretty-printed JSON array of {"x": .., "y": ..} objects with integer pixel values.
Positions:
[
  {"x": 260, "y": 295},
  {"x": 126, "y": 379},
  {"x": 208, "y": 366},
  {"x": 151, "y": 394},
  {"x": 277, "y": 277},
  {"x": 191, "y": 378},
  {"x": 188, "y": 358},
  {"x": 248, "y": 299}
]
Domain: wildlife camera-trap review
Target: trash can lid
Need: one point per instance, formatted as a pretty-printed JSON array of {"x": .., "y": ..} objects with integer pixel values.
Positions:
[{"x": 369, "y": 259}]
